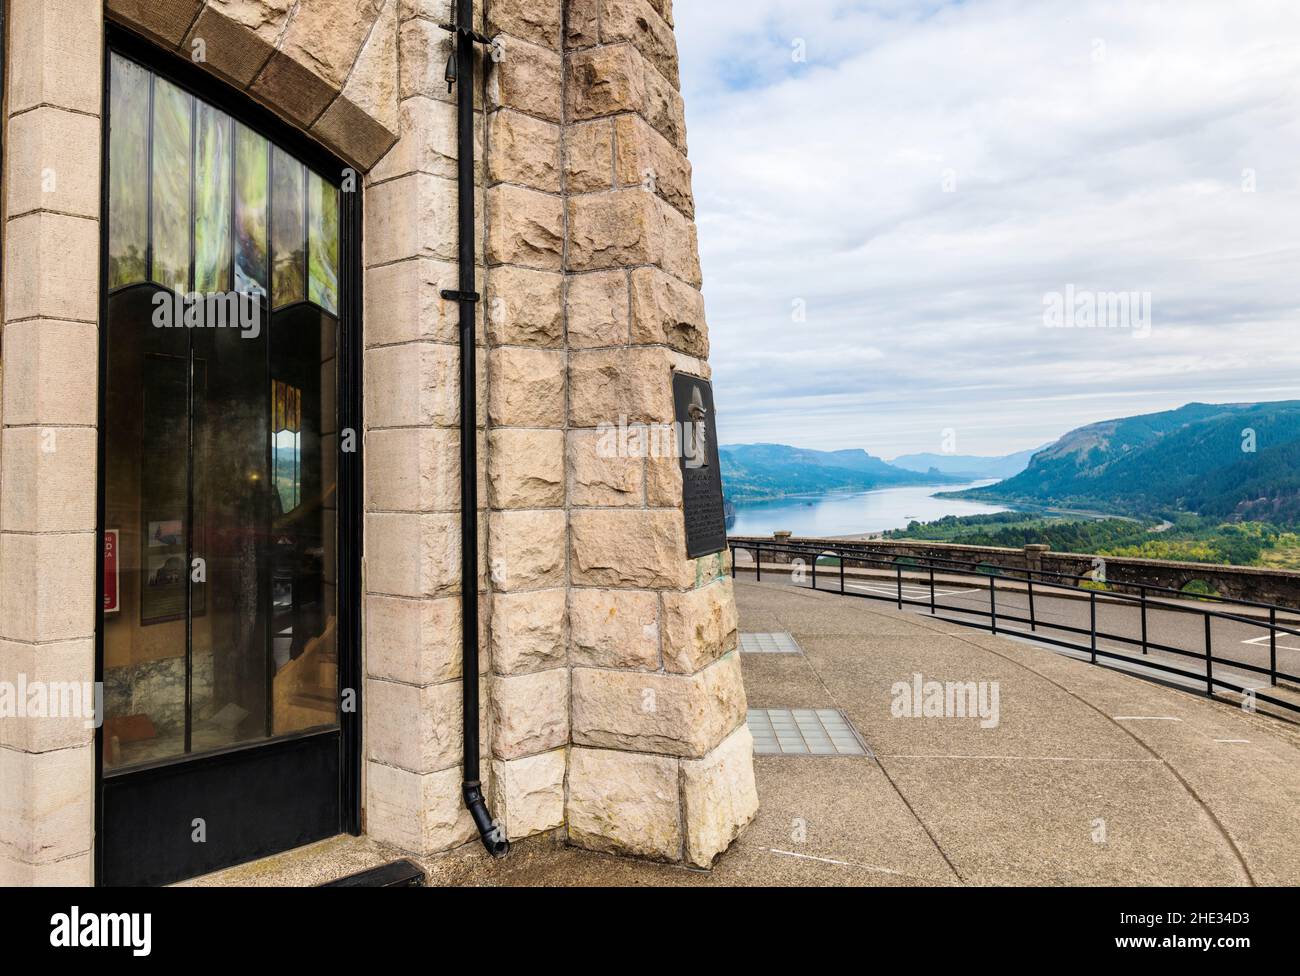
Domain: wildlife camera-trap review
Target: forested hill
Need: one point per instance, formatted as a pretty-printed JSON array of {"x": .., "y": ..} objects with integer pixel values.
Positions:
[
  {"x": 1230, "y": 461},
  {"x": 751, "y": 472}
]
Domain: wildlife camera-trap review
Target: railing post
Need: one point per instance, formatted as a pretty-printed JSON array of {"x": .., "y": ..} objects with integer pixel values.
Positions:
[
  {"x": 993, "y": 603},
  {"x": 841, "y": 554},
  {"x": 1209, "y": 657},
  {"x": 899, "y": 568},
  {"x": 758, "y": 562},
  {"x": 933, "y": 611},
  {"x": 733, "y": 562},
  {"x": 814, "y": 573},
  {"x": 1033, "y": 617},
  {"x": 1144, "y": 620},
  {"x": 1092, "y": 626},
  {"x": 1272, "y": 645}
]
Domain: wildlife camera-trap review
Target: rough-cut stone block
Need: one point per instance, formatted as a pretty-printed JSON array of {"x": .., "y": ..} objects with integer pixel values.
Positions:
[
  {"x": 420, "y": 814},
  {"x": 538, "y": 21},
  {"x": 46, "y": 260},
  {"x": 525, "y": 387},
  {"x": 647, "y": 159},
  {"x": 589, "y": 156},
  {"x": 403, "y": 302},
  {"x": 624, "y": 804},
  {"x": 67, "y": 670},
  {"x": 327, "y": 37},
  {"x": 526, "y": 549},
  {"x": 413, "y": 469},
  {"x": 53, "y": 162},
  {"x": 528, "y": 630},
  {"x": 47, "y": 473},
  {"x": 528, "y": 794},
  {"x": 410, "y": 385},
  {"x": 524, "y": 150},
  {"x": 638, "y": 23},
  {"x": 667, "y": 311},
  {"x": 354, "y": 134},
  {"x": 661, "y": 713},
  {"x": 628, "y": 228},
  {"x": 77, "y": 871},
  {"x": 414, "y": 216},
  {"x": 663, "y": 478},
  {"x": 614, "y": 629},
  {"x": 428, "y": 132},
  {"x": 628, "y": 549},
  {"x": 598, "y": 309},
  {"x": 49, "y": 586},
  {"x": 46, "y": 806},
  {"x": 296, "y": 90},
  {"x": 55, "y": 46},
  {"x": 414, "y": 728},
  {"x": 525, "y": 307},
  {"x": 51, "y": 372},
  {"x": 412, "y": 555},
  {"x": 163, "y": 20},
  {"x": 608, "y": 385},
  {"x": 530, "y": 713},
  {"x": 525, "y": 227},
  {"x": 424, "y": 47},
  {"x": 582, "y": 26},
  {"x": 598, "y": 476},
  {"x": 614, "y": 79},
  {"x": 527, "y": 78},
  {"x": 719, "y": 797},
  {"x": 237, "y": 38},
  {"x": 699, "y": 626},
  {"x": 413, "y": 641},
  {"x": 525, "y": 468}
]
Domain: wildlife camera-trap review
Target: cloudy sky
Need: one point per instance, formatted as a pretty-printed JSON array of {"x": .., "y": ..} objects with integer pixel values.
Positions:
[{"x": 890, "y": 193}]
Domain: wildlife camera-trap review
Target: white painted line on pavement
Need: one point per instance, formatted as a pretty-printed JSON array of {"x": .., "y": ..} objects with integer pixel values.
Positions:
[
  {"x": 1244, "y": 742},
  {"x": 1263, "y": 642},
  {"x": 1145, "y": 718}
]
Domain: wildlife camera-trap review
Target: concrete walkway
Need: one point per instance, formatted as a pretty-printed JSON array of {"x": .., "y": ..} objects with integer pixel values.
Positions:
[{"x": 1091, "y": 777}]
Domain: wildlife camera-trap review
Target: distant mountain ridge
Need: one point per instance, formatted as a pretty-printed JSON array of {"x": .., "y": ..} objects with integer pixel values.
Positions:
[
  {"x": 1196, "y": 459},
  {"x": 967, "y": 466},
  {"x": 753, "y": 472}
]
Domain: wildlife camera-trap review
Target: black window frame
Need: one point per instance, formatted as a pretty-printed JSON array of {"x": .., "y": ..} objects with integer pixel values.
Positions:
[{"x": 211, "y": 89}]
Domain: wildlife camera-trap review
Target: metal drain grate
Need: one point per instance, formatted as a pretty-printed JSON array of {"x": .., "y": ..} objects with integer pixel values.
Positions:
[
  {"x": 803, "y": 732},
  {"x": 768, "y": 644}
]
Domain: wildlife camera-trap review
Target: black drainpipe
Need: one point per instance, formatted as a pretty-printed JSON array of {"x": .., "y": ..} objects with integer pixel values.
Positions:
[{"x": 461, "y": 68}]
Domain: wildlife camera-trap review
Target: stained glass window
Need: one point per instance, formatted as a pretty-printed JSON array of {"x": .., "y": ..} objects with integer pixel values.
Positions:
[
  {"x": 252, "y": 192},
  {"x": 211, "y": 200},
  {"x": 200, "y": 203},
  {"x": 288, "y": 229},
  {"x": 128, "y": 210},
  {"x": 323, "y": 235},
  {"x": 172, "y": 154}
]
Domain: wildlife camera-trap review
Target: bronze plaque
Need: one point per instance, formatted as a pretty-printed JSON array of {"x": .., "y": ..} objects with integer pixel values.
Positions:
[{"x": 706, "y": 523}]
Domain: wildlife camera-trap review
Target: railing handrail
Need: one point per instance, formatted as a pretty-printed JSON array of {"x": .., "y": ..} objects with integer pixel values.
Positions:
[
  {"x": 1040, "y": 575},
  {"x": 996, "y": 616}
]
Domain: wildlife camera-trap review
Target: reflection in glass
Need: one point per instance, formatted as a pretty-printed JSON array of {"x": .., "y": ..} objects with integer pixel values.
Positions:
[
  {"x": 219, "y": 444},
  {"x": 211, "y": 200},
  {"x": 252, "y": 178},
  {"x": 172, "y": 114},
  {"x": 323, "y": 233},
  {"x": 288, "y": 229},
  {"x": 128, "y": 161}
]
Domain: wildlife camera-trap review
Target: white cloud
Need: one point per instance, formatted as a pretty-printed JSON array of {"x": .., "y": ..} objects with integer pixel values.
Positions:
[{"x": 1099, "y": 144}]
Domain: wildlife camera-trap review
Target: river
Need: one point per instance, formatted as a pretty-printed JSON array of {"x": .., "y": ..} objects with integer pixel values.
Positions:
[{"x": 854, "y": 513}]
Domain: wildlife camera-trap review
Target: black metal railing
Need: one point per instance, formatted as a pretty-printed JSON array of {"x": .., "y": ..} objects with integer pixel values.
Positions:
[{"x": 1038, "y": 585}]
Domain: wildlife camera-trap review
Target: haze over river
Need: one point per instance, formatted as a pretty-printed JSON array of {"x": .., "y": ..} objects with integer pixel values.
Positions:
[{"x": 854, "y": 513}]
